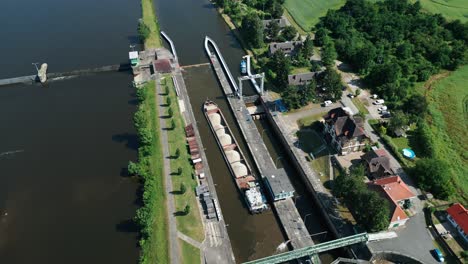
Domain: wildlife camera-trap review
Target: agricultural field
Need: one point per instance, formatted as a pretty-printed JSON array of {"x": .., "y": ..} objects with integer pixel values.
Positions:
[
  {"x": 450, "y": 9},
  {"x": 306, "y": 13},
  {"x": 448, "y": 107}
]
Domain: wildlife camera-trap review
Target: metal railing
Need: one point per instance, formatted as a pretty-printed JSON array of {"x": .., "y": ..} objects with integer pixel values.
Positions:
[{"x": 312, "y": 250}]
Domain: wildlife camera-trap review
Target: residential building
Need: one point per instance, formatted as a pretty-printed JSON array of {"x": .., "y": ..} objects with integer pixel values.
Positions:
[
  {"x": 288, "y": 47},
  {"x": 282, "y": 22},
  {"x": 344, "y": 132},
  {"x": 377, "y": 164},
  {"x": 398, "y": 195},
  {"x": 458, "y": 217},
  {"x": 301, "y": 78}
]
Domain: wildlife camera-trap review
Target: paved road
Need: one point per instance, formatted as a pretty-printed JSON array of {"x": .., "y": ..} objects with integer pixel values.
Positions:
[
  {"x": 413, "y": 240},
  {"x": 174, "y": 251}
]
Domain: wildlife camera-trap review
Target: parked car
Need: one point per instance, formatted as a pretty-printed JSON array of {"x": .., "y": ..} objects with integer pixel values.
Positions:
[
  {"x": 374, "y": 96},
  {"x": 379, "y": 101},
  {"x": 327, "y": 103},
  {"x": 382, "y": 108},
  {"x": 438, "y": 255},
  {"x": 350, "y": 95},
  {"x": 386, "y": 114}
]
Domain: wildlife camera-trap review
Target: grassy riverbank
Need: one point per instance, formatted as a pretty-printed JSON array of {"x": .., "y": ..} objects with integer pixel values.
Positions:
[
  {"x": 190, "y": 224},
  {"x": 448, "y": 108},
  {"x": 150, "y": 20},
  {"x": 151, "y": 217}
]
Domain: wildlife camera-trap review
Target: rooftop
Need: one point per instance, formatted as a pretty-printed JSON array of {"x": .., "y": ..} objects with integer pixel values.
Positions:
[
  {"x": 282, "y": 22},
  {"x": 279, "y": 181},
  {"x": 300, "y": 78},
  {"x": 460, "y": 215},
  {"x": 287, "y": 47},
  {"x": 395, "y": 188},
  {"x": 345, "y": 124},
  {"x": 378, "y": 160},
  {"x": 396, "y": 213}
]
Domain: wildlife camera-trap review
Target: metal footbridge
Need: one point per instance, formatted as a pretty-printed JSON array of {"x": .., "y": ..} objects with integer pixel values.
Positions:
[{"x": 312, "y": 251}]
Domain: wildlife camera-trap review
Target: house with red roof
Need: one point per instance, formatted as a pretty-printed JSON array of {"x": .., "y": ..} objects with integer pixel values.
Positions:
[
  {"x": 397, "y": 193},
  {"x": 458, "y": 217},
  {"x": 345, "y": 132}
]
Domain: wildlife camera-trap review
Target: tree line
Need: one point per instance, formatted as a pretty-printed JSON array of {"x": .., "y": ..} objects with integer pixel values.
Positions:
[{"x": 145, "y": 169}]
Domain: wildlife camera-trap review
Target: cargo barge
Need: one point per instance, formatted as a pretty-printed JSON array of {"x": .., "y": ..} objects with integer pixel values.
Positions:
[{"x": 246, "y": 183}]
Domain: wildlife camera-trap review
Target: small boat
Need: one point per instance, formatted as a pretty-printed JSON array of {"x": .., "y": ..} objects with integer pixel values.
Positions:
[
  {"x": 240, "y": 170},
  {"x": 243, "y": 66}
]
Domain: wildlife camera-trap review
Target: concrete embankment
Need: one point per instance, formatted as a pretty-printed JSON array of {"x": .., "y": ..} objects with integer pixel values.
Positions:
[{"x": 31, "y": 79}]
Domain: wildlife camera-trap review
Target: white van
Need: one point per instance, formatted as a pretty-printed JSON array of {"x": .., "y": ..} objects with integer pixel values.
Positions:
[
  {"x": 382, "y": 108},
  {"x": 327, "y": 103},
  {"x": 379, "y": 102}
]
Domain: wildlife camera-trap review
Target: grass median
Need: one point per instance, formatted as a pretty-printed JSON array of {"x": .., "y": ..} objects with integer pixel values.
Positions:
[{"x": 190, "y": 224}]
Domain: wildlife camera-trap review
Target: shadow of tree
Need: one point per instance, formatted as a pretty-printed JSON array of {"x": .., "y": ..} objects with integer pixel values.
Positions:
[
  {"x": 130, "y": 139},
  {"x": 127, "y": 226}
]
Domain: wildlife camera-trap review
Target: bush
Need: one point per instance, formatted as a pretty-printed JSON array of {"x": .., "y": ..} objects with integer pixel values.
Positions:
[
  {"x": 143, "y": 31},
  {"x": 433, "y": 175}
]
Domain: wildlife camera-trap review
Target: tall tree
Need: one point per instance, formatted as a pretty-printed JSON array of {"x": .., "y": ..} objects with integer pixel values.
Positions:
[
  {"x": 329, "y": 54},
  {"x": 252, "y": 29},
  {"x": 281, "y": 66},
  {"x": 320, "y": 36},
  {"x": 289, "y": 32},
  {"x": 272, "y": 30},
  {"x": 434, "y": 175},
  {"x": 330, "y": 81}
]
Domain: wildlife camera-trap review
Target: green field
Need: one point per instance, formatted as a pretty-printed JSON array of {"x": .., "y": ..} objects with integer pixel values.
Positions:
[
  {"x": 190, "y": 224},
  {"x": 190, "y": 254},
  {"x": 306, "y": 13},
  {"x": 448, "y": 107},
  {"x": 149, "y": 18},
  {"x": 451, "y": 9}
]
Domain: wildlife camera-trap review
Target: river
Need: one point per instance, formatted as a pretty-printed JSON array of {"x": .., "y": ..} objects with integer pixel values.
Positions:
[{"x": 64, "y": 197}]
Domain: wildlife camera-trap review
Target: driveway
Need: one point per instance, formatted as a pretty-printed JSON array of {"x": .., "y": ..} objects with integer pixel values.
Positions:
[{"x": 413, "y": 240}]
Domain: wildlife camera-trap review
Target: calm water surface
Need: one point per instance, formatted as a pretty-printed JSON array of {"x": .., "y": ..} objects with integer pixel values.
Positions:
[{"x": 63, "y": 197}]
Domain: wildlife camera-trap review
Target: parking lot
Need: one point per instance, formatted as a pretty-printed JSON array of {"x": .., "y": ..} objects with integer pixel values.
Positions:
[{"x": 366, "y": 98}]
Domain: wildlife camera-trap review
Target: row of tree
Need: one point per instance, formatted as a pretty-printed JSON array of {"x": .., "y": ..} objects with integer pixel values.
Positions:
[
  {"x": 146, "y": 214},
  {"x": 369, "y": 209}
]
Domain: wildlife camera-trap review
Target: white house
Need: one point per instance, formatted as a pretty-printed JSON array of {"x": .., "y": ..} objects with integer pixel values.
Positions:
[{"x": 458, "y": 217}]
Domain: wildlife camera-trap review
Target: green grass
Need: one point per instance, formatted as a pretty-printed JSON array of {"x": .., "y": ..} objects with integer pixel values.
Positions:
[
  {"x": 190, "y": 254},
  {"x": 149, "y": 18},
  {"x": 401, "y": 142},
  {"x": 309, "y": 120},
  {"x": 451, "y": 9},
  {"x": 360, "y": 106},
  {"x": 321, "y": 166},
  {"x": 190, "y": 224},
  {"x": 306, "y": 13},
  {"x": 300, "y": 70},
  {"x": 155, "y": 249},
  {"x": 448, "y": 119}
]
